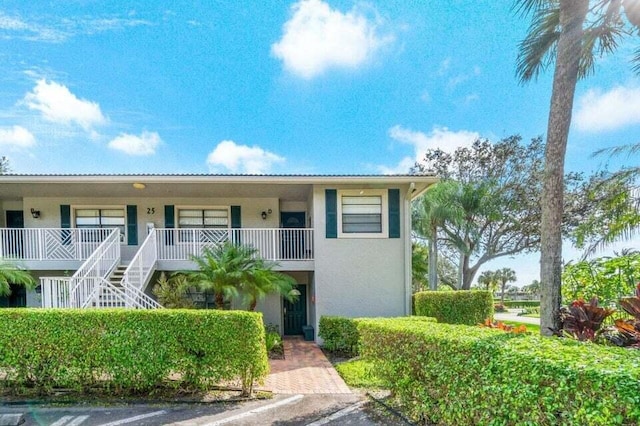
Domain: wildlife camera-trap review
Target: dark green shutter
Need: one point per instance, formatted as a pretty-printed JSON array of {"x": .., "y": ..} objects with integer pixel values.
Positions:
[
  {"x": 65, "y": 223},
  {"x": 169, "y": 217},
  {"x": 169, "y": 222},
  {"x": 65, "y": 216},
  {"x": 331, "y": 210},
  {"x": 394, "y": 213},
  {"x": 132, "y": 225},
  {"x": 236, "y": 217}
]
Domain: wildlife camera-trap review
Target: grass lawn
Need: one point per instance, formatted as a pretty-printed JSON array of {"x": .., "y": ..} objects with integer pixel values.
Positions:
[
  {"x": 533, "y": 328},
  {"x": 359, "y": 373}
]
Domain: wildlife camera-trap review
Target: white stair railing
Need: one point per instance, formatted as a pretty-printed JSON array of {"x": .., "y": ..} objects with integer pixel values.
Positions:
[
  {"x": 139, "y": 272},
  {"x": 99, "y": 265},
  {"x": 106, "y": 295},
  {"x": 55, "y": 292}
]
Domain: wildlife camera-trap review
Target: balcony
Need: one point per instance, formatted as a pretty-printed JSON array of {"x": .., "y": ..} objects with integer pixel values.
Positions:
[{"x": 66, "y": 249}]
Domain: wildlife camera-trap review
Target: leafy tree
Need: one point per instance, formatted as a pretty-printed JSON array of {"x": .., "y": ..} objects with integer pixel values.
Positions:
[
  {"x": 505, "y": 276},
  {"x": 429, "y": 214},
  {"x": 492, "y": 199},
  {"x": 533, "y": 288},
  {"x": 419, "y": 266},
  {"x": 171, "y": 292},
  {"x": 607, "y": 278},
  {"x": 4, "y": 165},
  {"x": 573, "y": 33},
  {"x": 488, "y": 280},
  {"x": 11, "y": 273}
]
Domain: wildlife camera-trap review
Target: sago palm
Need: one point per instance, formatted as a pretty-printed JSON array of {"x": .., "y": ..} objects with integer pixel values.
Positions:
[
  {"x": 11, "y": 273},
  {"x": 572, "y": 34}
]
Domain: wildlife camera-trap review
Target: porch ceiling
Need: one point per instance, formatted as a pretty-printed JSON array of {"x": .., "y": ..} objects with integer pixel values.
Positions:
[{"x": 293, "y": 192}]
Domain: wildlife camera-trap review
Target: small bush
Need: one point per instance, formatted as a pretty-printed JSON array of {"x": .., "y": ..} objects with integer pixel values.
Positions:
[
  {"x": 522, "y": 303},
  {"x": 454, "y": 374},
  {"x": 360, "y": 373},
  {"x": 499, "y": 307},
  {"x": 455, "y": 307},
  {"x": 129, "y": 351},
  {"x": 340, "y": 334}
]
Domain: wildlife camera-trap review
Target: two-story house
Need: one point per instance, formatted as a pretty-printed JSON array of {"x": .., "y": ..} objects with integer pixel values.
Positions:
[{"x": 100, "y": 240}]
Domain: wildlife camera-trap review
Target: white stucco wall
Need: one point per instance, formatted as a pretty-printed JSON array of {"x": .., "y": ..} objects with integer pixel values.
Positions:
[
  {"x": 150, "y": 210},
  {"x": 359, "y": 277}
]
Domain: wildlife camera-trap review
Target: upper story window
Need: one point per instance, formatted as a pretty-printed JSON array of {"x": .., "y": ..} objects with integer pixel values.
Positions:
[
  {"x": 362, "y": 213},
  {"x": 101, "y": 218},
  {"x": 203, "y": 218}
]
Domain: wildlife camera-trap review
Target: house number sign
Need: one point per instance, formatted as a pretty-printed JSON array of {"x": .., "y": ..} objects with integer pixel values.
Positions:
[{"x": 151, "y": 210}]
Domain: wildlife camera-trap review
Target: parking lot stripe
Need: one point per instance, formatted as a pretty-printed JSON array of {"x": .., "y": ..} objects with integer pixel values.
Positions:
[
  {"x": 136, "y": 418},
  {"x": 338, "y": 414},
  {"x": 289, "y": 400},
  {"x": 62, "y": 421},
  {"x": 77, "y": 421}
]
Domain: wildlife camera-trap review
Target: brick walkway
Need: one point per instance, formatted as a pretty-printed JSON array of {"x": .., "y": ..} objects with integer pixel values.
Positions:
[{"x": 305, "y": 370}]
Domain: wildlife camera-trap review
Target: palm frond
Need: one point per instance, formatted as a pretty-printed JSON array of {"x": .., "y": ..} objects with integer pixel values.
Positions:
[
  {"x": 628, "y": 149},
  {"x": 537, "y": 50},
  {"x": 527, "y": 7},
  {"x": 636, "y": 61}
]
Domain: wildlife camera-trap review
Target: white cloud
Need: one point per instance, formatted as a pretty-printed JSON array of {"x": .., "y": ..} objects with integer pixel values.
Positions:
[
  {"x": 318, "y": 38},
  {"x": 16, "y": 136},
  {"x": 241, "y": 158},
  {"x": 57, "y": 30},
  {"x": 58, "y": 105},
  {"x": 601, "y": 111},
  {"x": 439, "y": 137},
  {"x": 145, "y": 144}
]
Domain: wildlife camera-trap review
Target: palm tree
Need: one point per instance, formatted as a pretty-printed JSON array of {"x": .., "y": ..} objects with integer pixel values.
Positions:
[
  {"x": 489, "y": 280},
  {"x": 504, "y": 276},
  {"x": 573, "y": 33},
  {"x": 11, "y": 273},
  {"x": 429, "y": 214},
  {"x": 231, "y": 270}
]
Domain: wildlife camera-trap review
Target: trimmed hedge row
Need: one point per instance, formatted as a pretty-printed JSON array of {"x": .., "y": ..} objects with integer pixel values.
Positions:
[
  {"x": 340, "y": 334},
  {"x": 453, "y": 374},
  {"x": 469, "y": 307},
  {"x": 129, "y": 351},
  {"x": 522, "y": 303}
]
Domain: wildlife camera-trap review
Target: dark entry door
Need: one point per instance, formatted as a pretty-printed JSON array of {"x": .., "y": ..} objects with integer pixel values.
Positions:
[
  {"x": 292, "y": 242},
  {"x": 295, "y": 314},
  {"x": 13, "y": 244}
]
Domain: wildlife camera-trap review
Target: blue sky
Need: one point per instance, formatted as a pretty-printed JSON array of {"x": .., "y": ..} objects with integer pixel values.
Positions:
[{"x": 279, "y": 87}]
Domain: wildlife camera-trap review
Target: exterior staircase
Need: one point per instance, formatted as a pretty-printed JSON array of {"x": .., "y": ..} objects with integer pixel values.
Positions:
[{"x": 107, "y": 297}]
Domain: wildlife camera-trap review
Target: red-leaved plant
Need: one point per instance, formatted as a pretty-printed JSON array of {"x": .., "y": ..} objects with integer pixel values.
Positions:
[
  {"x": 583, "y": 321},
  {"x": 504, "y": 327},
  {"x": 629, "y": 330}
]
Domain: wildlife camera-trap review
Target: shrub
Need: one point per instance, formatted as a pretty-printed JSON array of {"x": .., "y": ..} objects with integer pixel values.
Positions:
[
  {"x": 455, "y": 307},
  {"x": 340, "y": 334},
  {"x": 522, "y": 303},
  {"x": 499, "y": 307},
  {"x": 130, "y": 351},
  {"x": 454, "y": 374}
]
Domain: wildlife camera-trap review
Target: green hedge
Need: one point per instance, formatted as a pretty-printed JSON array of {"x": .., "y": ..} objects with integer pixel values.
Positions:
[
  {"x": 522, "y": 303},
  {"x": 130, "y": 351},
  {"x": 455, "y": 307},
  {"x": 454, "y": 374},
  {"x": 340, "y": 334}
]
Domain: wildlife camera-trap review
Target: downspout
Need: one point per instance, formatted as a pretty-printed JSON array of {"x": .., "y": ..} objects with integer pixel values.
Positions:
[{"x": 407, "y": 248}]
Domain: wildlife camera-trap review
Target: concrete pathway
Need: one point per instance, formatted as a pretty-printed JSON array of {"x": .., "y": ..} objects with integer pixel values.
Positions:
[
  {"x": 513, "y": 316},
  {"x": 305, "y": 370}
]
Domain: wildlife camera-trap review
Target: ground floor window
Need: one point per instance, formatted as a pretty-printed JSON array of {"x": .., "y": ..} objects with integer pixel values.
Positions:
[{"x": 17, "y": 299}]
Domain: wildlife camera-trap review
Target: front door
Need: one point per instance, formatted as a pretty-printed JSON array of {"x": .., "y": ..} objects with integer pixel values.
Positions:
[
  {"x": 292, "y": 244},
  {"x": 13, "y": 243},
  {"x": 295, "y": 314}
]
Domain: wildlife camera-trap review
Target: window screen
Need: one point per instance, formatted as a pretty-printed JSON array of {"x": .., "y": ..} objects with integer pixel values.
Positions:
[{"x": 361, "y": 214}]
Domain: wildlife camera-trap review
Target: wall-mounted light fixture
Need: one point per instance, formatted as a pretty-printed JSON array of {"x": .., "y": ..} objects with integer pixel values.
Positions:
[
  {"x": 266, "y": 213},
  {"x": 35, "y": 213},
  {"x": 139, "y": 185}
]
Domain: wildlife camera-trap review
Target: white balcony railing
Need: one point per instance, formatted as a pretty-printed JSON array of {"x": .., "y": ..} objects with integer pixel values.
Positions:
[
  {"x": 276, "y": 244},
  {"x": 39, "y": 244}
]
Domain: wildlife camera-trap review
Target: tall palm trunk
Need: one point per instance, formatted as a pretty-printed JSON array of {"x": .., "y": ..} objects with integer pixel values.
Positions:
[
  {"x": 572, "y": 16},
  {"x": 219, "y": 301},
  {"x": 433, "y": 260}
]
